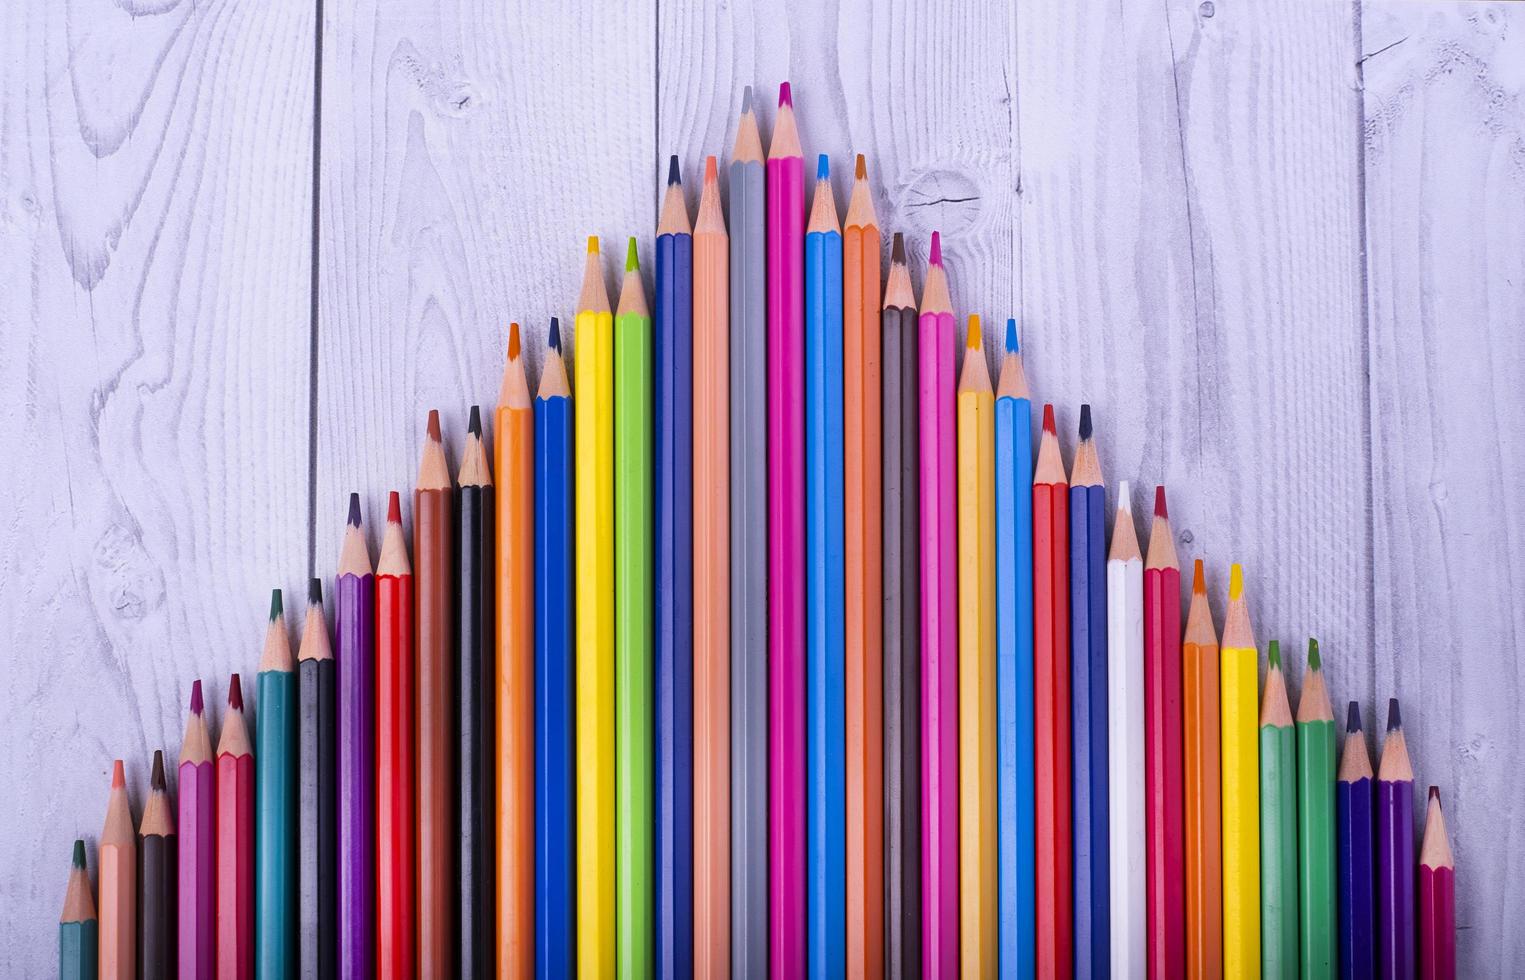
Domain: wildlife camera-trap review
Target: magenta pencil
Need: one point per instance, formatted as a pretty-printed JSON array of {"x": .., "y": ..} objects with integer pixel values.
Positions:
[
  {"x": 786, "y": 546},
  {"x": 197, "y": 827},
  {"x": 939, "y": 626}
]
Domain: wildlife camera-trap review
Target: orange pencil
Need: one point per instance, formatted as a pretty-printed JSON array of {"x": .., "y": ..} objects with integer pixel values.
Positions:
[
  {"x": 861, "y": 279},
  {"x": 514, "y": 472},
  {"x": 712, "y": 583},
  {"x": 235, "y": 842},
  {"x": 118, "y": 913},
  {"x": 1204, "y": 816}
]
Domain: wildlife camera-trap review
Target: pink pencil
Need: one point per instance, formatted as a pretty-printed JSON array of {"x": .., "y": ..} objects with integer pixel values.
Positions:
[
  {"x": 197, "y": 828},
  {"x": 786, "y": 546},
  {"x": 939, "y": 627}
]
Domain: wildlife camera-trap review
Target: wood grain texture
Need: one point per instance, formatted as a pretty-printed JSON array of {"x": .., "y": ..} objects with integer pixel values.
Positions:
[
  {"x": 1445, "y": 229},
  {"x": 469, "y": 149},
  {"x": 155, "y": 169}
]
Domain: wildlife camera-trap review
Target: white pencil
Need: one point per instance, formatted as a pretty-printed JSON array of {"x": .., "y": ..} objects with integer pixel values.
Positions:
[{"x": 1125, "y": 695}]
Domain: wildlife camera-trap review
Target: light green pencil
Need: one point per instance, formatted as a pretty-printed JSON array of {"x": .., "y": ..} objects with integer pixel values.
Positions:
[
  {"x": 1278, "y": 825},
  {"x": 632, "y": 625},
  {"x": 1315, "y": 823},
  {"x": 275, "y": 814},
  {"x": 77, "y": 936}
]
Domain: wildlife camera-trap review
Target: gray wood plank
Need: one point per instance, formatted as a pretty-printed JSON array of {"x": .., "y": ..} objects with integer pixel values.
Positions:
[
  {"x": 469, "y": 150},
  {"x": 1445, "y": 229},
  {"x": 155, "y": 217}
]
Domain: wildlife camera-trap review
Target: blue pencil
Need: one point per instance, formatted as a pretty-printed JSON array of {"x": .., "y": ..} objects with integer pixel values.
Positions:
[
  {"x": 1014, "y": 664},
  {"x": 1088, "y": 699},
  {"x": 673, "y": 535},
  {"x": 825, "y": 601},
  {"x": 555, "y": 848}
]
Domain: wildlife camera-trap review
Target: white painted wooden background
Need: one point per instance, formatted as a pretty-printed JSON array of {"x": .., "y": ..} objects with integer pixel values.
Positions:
[{"x": 1279, "y": 245}]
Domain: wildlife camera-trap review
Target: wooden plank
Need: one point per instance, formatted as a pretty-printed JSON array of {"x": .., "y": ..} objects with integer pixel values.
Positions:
[
  {"x": 1445, "y": 231},
  {"x": 468, "y": 152},
  {"x": 155, "y": 246},
  {"x": 1190, "y": 254}
]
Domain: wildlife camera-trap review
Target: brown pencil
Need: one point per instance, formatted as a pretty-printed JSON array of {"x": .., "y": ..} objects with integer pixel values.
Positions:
[
  {"x": 119, "y": 885},
  {"x": 156, "y": 833}
]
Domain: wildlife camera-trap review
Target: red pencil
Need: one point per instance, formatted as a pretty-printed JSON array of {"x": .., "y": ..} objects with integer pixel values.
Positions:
[
  {"x": 1437, "y": 897},
  {"x": 1164, "y": 801},
  {"x": 395, "y": 935},
  {"x": 1051, "y": 704},
  {"x": 235, "y": 842}
]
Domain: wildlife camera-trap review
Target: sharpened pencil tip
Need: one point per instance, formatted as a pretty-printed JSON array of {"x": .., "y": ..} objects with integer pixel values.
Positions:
[
  {"x": 315, "y": 592},
  {"x": 1085, "y": 422},
  {"x": 275, "y": 605},
  {"x": 236, "y": 693},
  {"x": 354, "y": 510},
  {"x": 1273, "y": 655},
  {"x": 632, "y": 257},
  {"x": 935, "y": 257},
  {"x": 1353, "y": 717},
  {"x": 592, "y": 244},
  {"x": 79, "y": 853},
  {"x": 513, "y": 341},
  {"x": 1394, "y": 715},
  {"x": 785, "y": 95},
  {"x": 1013, "y": 344},
  {"x": 823, "y": 167},
  {"x": 860, "y": 168},
  {"x": 197, "y": 706},
  {"x": 553, "y": 339},
  {"x": 156, "y": 777},
  {"x": 746, "y": 100},
  {"x": 897, "y": 248},
  {"x": 1048, "y": 419},
  {"x": 118, "y": 775},
  {"x": 394, "y": 508},
  {"x": 1315, "y": 662},
  {"x": 1198, "y": 579},
  {"x": 1125, "y": 497},
  {"x": 432, "y": 429},
  {"x": 711, "y": 169},
  {"x": 673, "y": 175},
  {"x": 474, "y": 421},
  {"x": 1235, "y": 582},
  {"x": 974, "y": 340},
  {"x": 1434, "y": 793}
]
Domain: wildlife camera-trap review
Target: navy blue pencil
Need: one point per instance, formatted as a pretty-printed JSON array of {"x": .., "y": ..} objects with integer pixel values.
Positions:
[
  {"x": 1088, "y": 693},
  {"x": 1356, "y": 863},
  {"x": 673, "y": 535},
  {"x": 555, "y": 847}
]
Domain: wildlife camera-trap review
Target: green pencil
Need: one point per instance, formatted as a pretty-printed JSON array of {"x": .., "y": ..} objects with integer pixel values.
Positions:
[
  {"x": 1278, "y": 825},
  {"x": 632, "y": 625},
  {"x": 77, "y": 927},
  {"x": 1315, "y": 822},
  {"x": 275, "y": 896}
]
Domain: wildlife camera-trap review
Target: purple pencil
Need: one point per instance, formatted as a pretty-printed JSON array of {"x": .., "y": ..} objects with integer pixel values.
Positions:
[
  {"x": 354, "y": 658},
  {"x": 1395, "y": 853},
  {"x": 197, "y": 829}
]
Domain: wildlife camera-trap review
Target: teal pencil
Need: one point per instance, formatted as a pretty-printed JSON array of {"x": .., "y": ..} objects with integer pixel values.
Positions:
[
  {"x": 275, "y": 806},
  {"x": 77, "y": 939}
]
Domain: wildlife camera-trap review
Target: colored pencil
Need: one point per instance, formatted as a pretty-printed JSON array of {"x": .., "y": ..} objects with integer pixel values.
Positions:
[
  {"x": 318, "y": 779},
  {"x": 1054, "y": 920},
  {"x": 395, "y": 762},
  {"x": 471, "y": 813},
  {"x": 510, "y": 501},
  {"x": 235, "y": 841},
  {"x": 355, "y": 664},
  {"x": 78, "y": 928},
  {"x": 786, "y": 546},
  {"x": 1202, "y": 811},
  {"x": 1164, "y": 802},
  {"x": 1278, "y": 825},
  {"x": 1088, "y": 703},
  {"x": 749, "y": 555},
  {"x": 863, "y": 713},
  {"x": 1395, "y": 852},
  {"x": 1014, "y": 661},
  {"x": 939, "y": 625},
  {"x": 825, "y": 694},
  {"x": 156, "y": 895},
  {"x": 435, "y": 597},
  {"x": 672, "y": 371},
  {"x": 1355, "y": 825},
  {"x": 1239, "y": 670},
  {"x": 197, "y": 826},
  {"x": 555, "y": 696},
  {"x": 633, "y": 665},
  {"x": 594, "y": 471},
  {"x": 1127, "y": 733},
  {"x": 712, "y": 582},
  {"x": 118, "y": 923},
  {"x": 902, "y": 623},
  {"x": 1315, "y": 824},
  {"x": 1437, "y": 897},
  {"x": 275, "y": 778},
  {"x": 977, "y": 808}
]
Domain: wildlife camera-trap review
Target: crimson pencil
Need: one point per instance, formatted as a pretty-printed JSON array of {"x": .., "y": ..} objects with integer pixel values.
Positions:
[
  {"x": 235, "y": 842},
  {"x": 1437, "y": 897},
  {"x": 394, "y": 765},
  {"x": 1051, "y": 704},
  {"x": 1164, "y": 808}
]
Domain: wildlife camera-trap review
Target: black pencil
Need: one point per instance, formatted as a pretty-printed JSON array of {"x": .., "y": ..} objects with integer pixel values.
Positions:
[
  {"x": 157, "y": 909},
  {"x": 317, "y": 779}
]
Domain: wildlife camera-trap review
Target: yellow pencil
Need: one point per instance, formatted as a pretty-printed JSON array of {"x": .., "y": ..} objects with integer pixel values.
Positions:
[
  {"x": 1241, "y": 787},
  {"x": 976, "y": 662},
  {"x": 594, "y": 439}
]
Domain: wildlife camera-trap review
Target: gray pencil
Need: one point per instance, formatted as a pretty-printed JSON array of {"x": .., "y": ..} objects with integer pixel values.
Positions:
[
  {"x": 749, "y": 555},
  {"x": 902, "y": 626},
  {"x": 317, "y": 808}
]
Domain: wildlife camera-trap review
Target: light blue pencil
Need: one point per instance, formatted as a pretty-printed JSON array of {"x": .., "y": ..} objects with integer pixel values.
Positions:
[
  {"x": 825, "y": 609},
  {"x": 1014, "y": 663}
]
